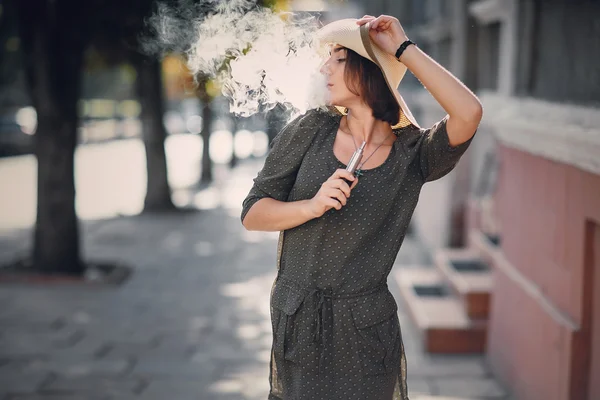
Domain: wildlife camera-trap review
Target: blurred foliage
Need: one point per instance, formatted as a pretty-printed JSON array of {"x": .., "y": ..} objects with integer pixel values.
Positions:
[
  {"x": 114, "y": 31},
  {"x": 177, "y": 78}
]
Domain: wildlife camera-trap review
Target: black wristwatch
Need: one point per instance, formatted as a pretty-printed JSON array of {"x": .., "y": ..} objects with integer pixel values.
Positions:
[{"x": 403, "y": 47}]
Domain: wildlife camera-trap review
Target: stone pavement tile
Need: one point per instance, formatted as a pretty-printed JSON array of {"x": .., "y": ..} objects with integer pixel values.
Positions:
[
  {"x": 12, "y": 320},
  {"x": 176, "y": 389},
  {"x": 428, "y": 397},
  {"x": 76, "y": 365},
  {"x": 419, "y": 387},
  {"x": 254, "y": 382},
  {"x": 88, "y": 347},
  {"x": 182, "y": 369},
  {"x": 16, "y": 343},
  {"x": 175, "y": 349},
  {"x": 124, "y": 350},
  {"x": 232, "y": 357},
  {"x": 226, "y": 387},
  {"x": 56, "y": 397},
  {"x": 122, "y": 388},
  {"x": 12, "y": 381},
  {"x": 101, "y": 334},
  {"x": 442, "y": 367},
  {"x": 219, "y": 350},
  {"x": 469, "y": 387}
]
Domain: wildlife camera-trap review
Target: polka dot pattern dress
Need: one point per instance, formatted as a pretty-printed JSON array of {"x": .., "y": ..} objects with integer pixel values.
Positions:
[{"x": 336, "y": 333}]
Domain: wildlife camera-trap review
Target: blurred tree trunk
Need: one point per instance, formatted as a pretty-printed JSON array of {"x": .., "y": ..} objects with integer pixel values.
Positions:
[
  {"x": 207, "y": 119},
  {"x": 150, "y": 94},
  {"x": 52, "y": 55}
]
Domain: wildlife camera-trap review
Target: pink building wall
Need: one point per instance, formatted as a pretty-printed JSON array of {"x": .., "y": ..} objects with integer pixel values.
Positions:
[{"x": 544, "y": 333}]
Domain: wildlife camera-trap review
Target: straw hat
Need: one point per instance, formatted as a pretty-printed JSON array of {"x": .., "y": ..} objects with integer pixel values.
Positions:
[{"x": 347, "y": 33}]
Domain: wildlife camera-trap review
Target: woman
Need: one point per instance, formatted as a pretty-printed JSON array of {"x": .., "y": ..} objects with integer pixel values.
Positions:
[{"x": 336, "y": 333}]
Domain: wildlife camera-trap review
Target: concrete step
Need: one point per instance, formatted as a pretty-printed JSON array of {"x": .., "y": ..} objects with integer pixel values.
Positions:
[
  {"x": 469, "y": 276},
  {"x": 485, "y": 245},
  {"x": 439, "y": 315}
]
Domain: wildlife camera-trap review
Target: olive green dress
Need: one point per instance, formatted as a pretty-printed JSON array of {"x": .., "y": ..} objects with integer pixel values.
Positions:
[{"x": 336, "y": 333}]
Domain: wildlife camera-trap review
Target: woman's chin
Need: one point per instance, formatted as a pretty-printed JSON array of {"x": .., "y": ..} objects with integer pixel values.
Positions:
[
  {"x": 329, "y": 99},
  {"x": 332, "y": 101}
]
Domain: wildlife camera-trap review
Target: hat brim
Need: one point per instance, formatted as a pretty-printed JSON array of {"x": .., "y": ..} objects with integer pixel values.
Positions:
[{"x": 348, "y": 33}]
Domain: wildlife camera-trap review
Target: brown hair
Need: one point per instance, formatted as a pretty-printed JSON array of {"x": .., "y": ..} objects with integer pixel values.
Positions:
[{"x": 364, "y": 78}]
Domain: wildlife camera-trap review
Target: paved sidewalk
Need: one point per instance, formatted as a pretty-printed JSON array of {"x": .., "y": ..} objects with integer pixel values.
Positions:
[{"x": 191, "y": 323}]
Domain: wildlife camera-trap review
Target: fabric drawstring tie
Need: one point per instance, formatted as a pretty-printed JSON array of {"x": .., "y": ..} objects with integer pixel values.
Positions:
[{"x": 323, "y": 313}]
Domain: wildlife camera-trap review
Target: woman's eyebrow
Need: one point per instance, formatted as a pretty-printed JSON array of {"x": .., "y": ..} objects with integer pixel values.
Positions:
[{"x": 335, "y": 50}]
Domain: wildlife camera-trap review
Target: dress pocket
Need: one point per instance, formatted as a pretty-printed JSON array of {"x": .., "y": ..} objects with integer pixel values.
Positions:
[
  {"x": 286, "y": 301},
  {"x": 376, "y": 321}
]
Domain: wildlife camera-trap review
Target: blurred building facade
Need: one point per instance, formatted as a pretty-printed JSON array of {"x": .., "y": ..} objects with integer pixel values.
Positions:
[{"x": 525, "y": 199}]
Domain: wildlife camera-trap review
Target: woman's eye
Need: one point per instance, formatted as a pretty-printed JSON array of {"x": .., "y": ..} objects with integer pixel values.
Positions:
[{"x": 341, "y": 60}]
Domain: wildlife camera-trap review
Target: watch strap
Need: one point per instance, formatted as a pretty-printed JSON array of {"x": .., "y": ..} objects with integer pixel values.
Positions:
[{"x": 403, "y": 47}]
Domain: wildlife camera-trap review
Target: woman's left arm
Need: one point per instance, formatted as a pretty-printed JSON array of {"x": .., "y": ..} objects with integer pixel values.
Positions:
[{"x": 463, "y": 107}]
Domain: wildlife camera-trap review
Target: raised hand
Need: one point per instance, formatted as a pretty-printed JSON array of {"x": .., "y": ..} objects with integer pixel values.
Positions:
[{"x": 385, "y": 31}]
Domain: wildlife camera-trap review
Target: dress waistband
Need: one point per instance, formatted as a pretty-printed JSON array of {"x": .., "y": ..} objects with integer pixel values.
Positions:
[{"x": 328, "y": 291}]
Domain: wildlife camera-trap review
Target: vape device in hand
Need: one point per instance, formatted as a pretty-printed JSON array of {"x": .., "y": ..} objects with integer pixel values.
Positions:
[{"x": 355, "y": 160}]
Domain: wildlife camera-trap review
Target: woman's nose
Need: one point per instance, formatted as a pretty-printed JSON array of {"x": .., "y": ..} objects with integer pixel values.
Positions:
[{"x": 325, "y": 69}]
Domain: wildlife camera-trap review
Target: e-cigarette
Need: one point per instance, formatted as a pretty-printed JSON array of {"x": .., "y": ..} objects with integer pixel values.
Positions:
[{"x": 355, "y": 160}]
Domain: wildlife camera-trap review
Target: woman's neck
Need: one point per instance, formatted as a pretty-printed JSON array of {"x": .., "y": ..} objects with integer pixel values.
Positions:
[{"x": 363, "y": 126}]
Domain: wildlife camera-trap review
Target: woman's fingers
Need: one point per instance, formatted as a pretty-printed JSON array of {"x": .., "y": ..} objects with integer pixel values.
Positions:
[
  {"x": 342, "y": 173},
  {"x": 379, "y": 24},
  {"x": 335, "y": 191},
  {"x": 382, "y": 22},
  {"x": 332, "y": 203},
  {"x": 339, "y": 195},
  {"x": 374, "y": 22},
  {"x": 365, "y": 19},
  {"x": 345, "y": 181},
  {"x": 332, "y": 190},
  {"x": 340, "y": 184}
]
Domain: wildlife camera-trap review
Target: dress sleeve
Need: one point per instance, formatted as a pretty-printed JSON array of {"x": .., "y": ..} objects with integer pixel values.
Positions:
[
  {"x": 437, "y": 157},
  {"x": 286, "y": 151}
]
